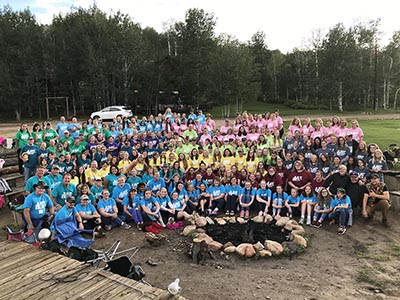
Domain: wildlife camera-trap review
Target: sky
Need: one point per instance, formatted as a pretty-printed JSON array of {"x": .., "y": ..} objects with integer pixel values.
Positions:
[{"x": 287, "y": 23}]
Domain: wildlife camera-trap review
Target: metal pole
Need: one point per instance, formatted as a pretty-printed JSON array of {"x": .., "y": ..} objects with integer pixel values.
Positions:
[
  {"x": 66, "y": 101},
  {"x": 47, "y": 109}
]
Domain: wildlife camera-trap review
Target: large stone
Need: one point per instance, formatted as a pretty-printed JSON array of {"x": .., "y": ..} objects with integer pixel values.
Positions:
[{"x": 275, "y": 247}]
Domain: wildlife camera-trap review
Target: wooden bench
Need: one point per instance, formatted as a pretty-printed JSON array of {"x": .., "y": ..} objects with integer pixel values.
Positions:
[
  {"x": 14, "y": 179},
  {"x": 17, "y": 215}
]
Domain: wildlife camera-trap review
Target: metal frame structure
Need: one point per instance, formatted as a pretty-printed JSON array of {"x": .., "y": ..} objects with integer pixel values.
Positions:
[{"x": 55, "y": 98}]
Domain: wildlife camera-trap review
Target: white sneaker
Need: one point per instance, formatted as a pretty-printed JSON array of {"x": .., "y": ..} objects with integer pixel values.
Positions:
[
  {"x": 301, "y": 221},
  {"x": 308, "y": 221}
]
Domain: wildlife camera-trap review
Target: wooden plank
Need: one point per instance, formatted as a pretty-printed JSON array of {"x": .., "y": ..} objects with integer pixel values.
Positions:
[
  {"x": 100, "y": 287},
  {"x": 37, "y": 285},
  {"x": 27, "y": 261},
  {"x": 21, "y": 278},
  {"x": 29, "y": 275}
]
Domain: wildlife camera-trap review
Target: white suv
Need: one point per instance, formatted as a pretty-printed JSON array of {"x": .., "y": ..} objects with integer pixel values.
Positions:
[{"x": 111, "y": 112}]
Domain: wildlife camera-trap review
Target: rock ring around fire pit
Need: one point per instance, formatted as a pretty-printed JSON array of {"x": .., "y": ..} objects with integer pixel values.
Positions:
[{"x": 259, "y": 237}]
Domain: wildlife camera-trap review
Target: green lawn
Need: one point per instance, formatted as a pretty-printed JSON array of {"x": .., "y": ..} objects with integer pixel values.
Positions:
[
  {"x": 381, "y": 132},
  {"x": 262, "y": 107}
]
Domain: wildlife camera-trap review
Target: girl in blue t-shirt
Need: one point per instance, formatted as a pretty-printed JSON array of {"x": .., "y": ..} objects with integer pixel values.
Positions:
[
  {"x": 192, "y": 203},
  {"x": 293, "y": 202},
  {"x": 132, "y": 209},
  {"x": 246, "y": 199},
  {"x": 166, "y": 210},
  {"x": 233, "y": 190},
  {"x": 322, "y": 208},
  {"x": 178, "y": 206},
  {"x": 263, "y": 197},
  {"x": 307, "y": 203},
  {"x": 278, "y": 201}
]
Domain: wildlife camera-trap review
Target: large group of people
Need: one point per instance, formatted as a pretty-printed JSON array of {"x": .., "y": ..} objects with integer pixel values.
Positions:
[{"x": 163, "y": 168}]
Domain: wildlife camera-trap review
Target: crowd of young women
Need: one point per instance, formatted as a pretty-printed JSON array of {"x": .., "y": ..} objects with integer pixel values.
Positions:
[{"x": 165, "y": 167}]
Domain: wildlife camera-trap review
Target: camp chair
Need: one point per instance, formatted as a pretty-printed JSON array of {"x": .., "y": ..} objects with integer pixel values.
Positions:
[
  {"x": 118, "y": 263},
  {"x": 68, "y": 233}
]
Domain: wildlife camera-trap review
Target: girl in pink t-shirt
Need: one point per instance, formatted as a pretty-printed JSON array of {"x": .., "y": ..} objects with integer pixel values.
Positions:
[
  {"x": 356, "y": 131},
  {"x": 295, "y": 125},
  {"x": 307, "y": 128}
]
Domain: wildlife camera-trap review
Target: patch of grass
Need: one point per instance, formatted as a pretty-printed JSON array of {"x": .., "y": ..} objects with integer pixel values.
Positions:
[
  {"x": 361, "y": 251},
  {"x": 395, "y": 249},
  {"x": 367, "y": 275},
  {"x": 381, "y": 258}
]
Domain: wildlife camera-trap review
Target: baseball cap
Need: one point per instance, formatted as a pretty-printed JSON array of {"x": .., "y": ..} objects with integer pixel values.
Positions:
[
  {"x": 30, "y": 138},
  {"x": 97, "y": 178},
  {"x": 165, "y": 165},
  {"x": 374, "y": 175},
  {"x": 40, "y": 185},
  {"x": 56, "y": 167},
  {"x": 84, "y": 197},
  {"x": 71, "y": 200},
  {"x": 354, "y": 174},
  {"x": 341, "y": 190}
]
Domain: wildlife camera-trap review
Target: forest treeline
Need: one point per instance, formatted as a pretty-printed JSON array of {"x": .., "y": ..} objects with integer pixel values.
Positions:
[{"x": 98, "y": 59}]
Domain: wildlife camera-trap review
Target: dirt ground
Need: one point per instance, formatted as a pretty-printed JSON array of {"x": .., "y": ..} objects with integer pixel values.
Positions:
[{"x": 362, "y": 264}]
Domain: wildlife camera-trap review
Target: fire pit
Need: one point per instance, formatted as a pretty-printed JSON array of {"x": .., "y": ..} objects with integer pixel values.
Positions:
[
  {"x": 250, "y": 232},
  {"x": 261, "y": 237}
]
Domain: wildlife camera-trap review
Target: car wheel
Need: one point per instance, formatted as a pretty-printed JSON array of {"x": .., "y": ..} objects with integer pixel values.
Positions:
[{"x": 96, "y": 117}]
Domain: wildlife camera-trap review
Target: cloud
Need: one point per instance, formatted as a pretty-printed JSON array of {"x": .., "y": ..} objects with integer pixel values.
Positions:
[{"x": 286, "y": 23}]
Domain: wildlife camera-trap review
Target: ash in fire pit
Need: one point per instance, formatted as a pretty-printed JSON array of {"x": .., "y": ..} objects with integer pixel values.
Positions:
[{"x": 250, "y": 232}]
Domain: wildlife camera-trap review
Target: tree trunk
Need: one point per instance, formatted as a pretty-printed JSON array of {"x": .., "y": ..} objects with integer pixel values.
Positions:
[
  {"x": 340, "y": 97},
  {"x": 395, "y": 99}
]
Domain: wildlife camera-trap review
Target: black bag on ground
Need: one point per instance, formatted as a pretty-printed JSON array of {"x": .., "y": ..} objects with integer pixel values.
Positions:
[{"x": 82, "y": 254}]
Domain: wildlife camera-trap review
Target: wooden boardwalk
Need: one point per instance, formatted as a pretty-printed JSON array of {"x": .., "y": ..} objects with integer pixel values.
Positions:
[{"x": 30, "y": 273}]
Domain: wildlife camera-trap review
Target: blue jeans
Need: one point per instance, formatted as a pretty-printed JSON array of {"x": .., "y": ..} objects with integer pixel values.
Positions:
[
  {"x": 246, "y": 198},
  {"x": 29, "y": 172},
  {"x": 342, "y": 214},
  {"x": 319, "y": 216},
  {"x": 136, "y": 215}
]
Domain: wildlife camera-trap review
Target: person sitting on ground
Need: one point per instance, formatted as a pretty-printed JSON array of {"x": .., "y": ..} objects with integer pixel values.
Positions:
[
  {"x": 376, "y": 198},
  {"x": 90, "y": 217},
  {"x": 278, "y": 202},
  {"x": 292, "y": 203},
  {"x": 132, "y": 209},
  {"x": 322, "y": 208},
  {"x": 263, "y": 197},
  {"x": 246, "y": 199},
  {"x": 35, "y": 206},
  {"x": 67, "y": 211},
  {"x": 217, "y": 199},
  {"x": 178, "y": 205},
  {"x": 109, "y": 212},
  {"x": 150, "y": 209},
  {"x": 340, "y": 206},
  {"x": 233, "y": 190},
  {"x": 307, "y": 203}
]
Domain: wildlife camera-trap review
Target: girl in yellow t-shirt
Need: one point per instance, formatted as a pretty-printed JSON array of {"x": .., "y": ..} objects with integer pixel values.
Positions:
[
  {"x": 228, "y": 160},
  {"x": 251, "y": 161}
]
